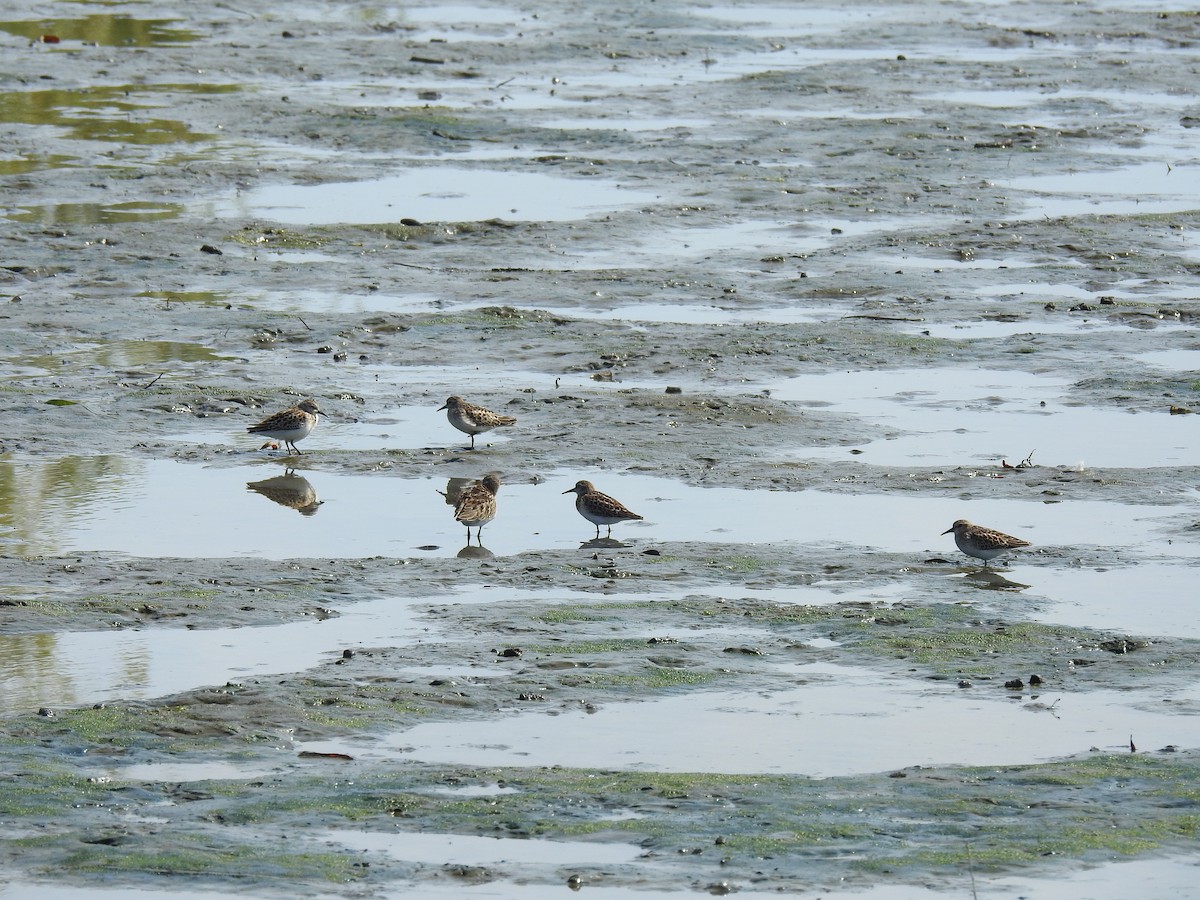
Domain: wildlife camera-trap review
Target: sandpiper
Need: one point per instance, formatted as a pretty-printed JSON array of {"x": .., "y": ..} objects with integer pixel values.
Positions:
[
  {"x": 291, "y": 425},
  {"x": 471, "y": 419},
  {"x": 477, "y": 505},
  {"x": 599, "y": 509},
  {"x": 982, "y": 543}
]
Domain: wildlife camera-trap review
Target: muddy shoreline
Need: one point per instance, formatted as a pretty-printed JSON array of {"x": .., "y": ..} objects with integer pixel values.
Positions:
[{"x": 704, "y": 252}]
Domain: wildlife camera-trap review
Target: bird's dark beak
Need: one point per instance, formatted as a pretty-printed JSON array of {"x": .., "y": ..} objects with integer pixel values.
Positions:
[
  {"x": 947, "y": 531},
  {"x": 571, "y": 491},
  {"x": 443, "y": 406}
]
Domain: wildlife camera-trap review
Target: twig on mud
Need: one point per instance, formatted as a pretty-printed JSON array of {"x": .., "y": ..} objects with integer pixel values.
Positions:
[
  {"x": 302, "y": 322},
  {"x": 146, "y": 387},
  {"x": 971, "y": 872}
]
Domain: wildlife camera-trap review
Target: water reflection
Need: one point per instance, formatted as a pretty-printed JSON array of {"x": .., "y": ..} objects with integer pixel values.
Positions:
[
  {"x": 31, "y": 672},
  {"x": 118, "y": 504},
  {"x": 39, "y": 501},
  {"x": 97, "y": 213},
  {"x": 290, "y": 490},
  {"x": 123, "y": 354},
  {"x": 475, "y": 551},
  {"x": 994, "y": 581},
  {"x": 603, "y": 543},
  {"x": 454, "y": 490},
  {"x": 109, "y": 113},
  {"x": 106, "y": 30}
]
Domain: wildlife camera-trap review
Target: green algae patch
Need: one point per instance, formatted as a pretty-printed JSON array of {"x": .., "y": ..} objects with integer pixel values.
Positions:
[
  {"x": 278, "y": 239},
  {"x": 208, "y": 298},
  {"x": 193, "y": 856}
]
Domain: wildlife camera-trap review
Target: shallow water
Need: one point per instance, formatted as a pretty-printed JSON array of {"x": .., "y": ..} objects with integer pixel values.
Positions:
[
  {"x": 1106, "y": 881},
  {"x": 826, "y": 727},
  {"x": 434, "y": 194},
  {"x": 119, "y": 504},
  {"x": 965, "y": 416}
]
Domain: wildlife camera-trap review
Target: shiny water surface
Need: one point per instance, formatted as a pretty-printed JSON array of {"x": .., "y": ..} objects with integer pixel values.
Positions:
[
  {"x": 118, "y": 504},
  {"x": 434, "y": 194}
]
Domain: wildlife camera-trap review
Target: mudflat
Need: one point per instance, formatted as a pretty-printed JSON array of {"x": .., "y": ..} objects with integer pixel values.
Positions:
[{"x": 799, "y": 285}]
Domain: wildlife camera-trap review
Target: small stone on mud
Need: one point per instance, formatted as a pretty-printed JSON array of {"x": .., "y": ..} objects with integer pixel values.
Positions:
[
  {"x": 674, "y": 390},
  {"x": 1014, "y": 684},
  {"x": 209, "y": 248},
  {"x": 1035, "y": 680},
  {"x": 46, "y": 713},
  {"x": 898, "y": 775},
  {"x": 511, "y": 653},
  {"x": 575, "y": 882},
  {"x": 964, "y": 683}
]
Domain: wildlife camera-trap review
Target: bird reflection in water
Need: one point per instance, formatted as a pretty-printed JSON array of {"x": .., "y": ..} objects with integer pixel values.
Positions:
[
  {"x": 454, "y": 489},
  {"x": 290, "y": 490},
  {"x": 992, "y": 580}
]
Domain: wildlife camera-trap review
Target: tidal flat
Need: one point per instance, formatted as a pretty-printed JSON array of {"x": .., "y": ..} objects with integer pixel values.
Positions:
[{"x": 799, "y": 284}]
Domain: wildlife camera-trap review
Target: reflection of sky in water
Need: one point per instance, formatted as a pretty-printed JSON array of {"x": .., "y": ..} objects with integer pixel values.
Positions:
[
  {"x": 828, "y": 726},
  {"x": 434, "y": 194},
  {"x": 971, "y": 416},
  {"x": 1108, "y": 881},
  {"x": 162, "y": 508},
  {"x": 1148, "y": 600},
  {"x": 1152, "y": 187},
  {"x": 83, "y": 667}
]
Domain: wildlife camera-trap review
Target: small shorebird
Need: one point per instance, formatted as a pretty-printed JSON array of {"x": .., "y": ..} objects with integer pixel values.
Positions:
[
  {"x": 982, "y": 543},
  {"x": 291, "y": 425},
  {"x": 477, "y": 505},
  {"x": 471, "y": 419},
  {"x": 599, "y": 509}
]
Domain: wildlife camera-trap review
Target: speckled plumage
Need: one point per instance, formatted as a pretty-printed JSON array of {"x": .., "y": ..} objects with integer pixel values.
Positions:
[
  {"x": 290, "y": 425},
  {"x": 599, "y": 509},
  {"x": 982, "y": 543},
  {"x": 477, "y": 505},
  {"x": 471, "y": 419}
]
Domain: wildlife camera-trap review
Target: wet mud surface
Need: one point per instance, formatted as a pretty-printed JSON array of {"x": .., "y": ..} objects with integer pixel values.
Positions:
[{"x": 800, "y": 285}]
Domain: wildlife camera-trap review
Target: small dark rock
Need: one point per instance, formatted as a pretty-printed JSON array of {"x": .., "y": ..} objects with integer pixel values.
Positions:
[
  {"x": 511, "y": 653},
  {"x": 209, "y": 248},
  {"x": 1014, "y": 684}
]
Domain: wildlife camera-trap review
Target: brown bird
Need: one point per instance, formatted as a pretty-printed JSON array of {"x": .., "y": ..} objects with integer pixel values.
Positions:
[
  {"x": 599, "y": 509},
  {"x": 290, "y": 425},
  {"x": 982, "y": 543},
  {"x": 471, "y": 419},
  {"x": 477, "y": 505}
]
